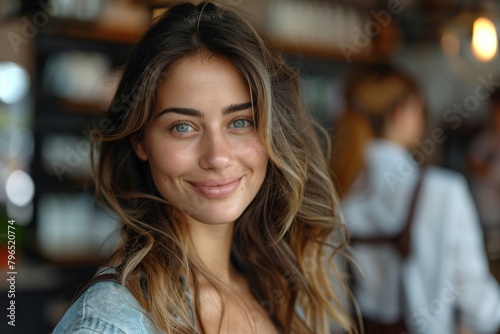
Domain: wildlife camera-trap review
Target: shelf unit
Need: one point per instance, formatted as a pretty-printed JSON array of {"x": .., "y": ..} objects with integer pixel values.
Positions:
[{"x": 62, "y": 117}]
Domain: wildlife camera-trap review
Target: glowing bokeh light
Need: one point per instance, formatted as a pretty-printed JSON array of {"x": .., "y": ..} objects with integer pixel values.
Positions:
[
  {"x": 484, "y": 39},
  {"x": 14, "y": 82},
  {"x": 20, "y": 188}
]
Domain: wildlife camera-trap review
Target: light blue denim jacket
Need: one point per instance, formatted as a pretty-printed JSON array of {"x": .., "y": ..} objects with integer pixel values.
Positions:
[{"x": 107, "y": 308}]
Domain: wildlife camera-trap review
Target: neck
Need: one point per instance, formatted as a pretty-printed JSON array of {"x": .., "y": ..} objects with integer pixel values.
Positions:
[{"x": 212, "y": 245}]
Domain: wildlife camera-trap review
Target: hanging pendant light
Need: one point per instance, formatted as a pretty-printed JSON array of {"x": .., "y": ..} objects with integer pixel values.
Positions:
[
  {"x": 470, "y": 41},
  {"x": 484, "y": 44}
]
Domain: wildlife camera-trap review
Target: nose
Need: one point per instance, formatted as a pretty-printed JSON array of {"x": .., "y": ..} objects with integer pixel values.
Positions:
[{"x": 216, "y": 152}]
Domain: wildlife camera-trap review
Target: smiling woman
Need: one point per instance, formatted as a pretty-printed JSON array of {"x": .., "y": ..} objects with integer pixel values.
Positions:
[
  {"x": 203, "y": 149},
  {"x": 229, "y": 217}
]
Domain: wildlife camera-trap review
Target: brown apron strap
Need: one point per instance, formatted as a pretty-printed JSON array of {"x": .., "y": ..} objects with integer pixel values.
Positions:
[
  {"x": 402, "y": 242},
  {"x": 375, "y": 327},
  {"x": 94, "y": 280},
  {"x": 402, "y": 239}
]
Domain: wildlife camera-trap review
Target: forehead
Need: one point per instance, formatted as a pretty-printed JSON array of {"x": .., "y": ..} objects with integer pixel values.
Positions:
[
  {"x": 200, "y": 81},
  {"x": 202, "y": 69}
]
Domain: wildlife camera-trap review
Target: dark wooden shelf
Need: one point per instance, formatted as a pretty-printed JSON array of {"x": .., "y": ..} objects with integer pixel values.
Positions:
[
  {"x": 70, "y": 106},
  {"x": 94, "y": 31},
  {"x": 304, "y": 50},
  {"x": 382, "y": 46}
]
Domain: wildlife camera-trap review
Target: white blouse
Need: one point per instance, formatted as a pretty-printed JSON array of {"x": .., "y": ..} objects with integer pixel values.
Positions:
[{"x": 446, "y": 270}]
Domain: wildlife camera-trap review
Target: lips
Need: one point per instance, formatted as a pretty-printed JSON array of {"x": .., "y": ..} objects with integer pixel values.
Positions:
[{"x": 216, "y": 188}]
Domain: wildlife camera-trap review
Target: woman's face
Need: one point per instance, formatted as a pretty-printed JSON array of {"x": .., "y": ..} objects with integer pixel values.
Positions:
[
  {"x": 416, "y": 107},
  {"x": 201, "y": 144},
  {"x": 410, "y": 123}
]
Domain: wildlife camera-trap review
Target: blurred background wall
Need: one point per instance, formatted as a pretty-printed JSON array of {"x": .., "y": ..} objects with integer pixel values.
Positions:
[{"x": 59, "y": 63}]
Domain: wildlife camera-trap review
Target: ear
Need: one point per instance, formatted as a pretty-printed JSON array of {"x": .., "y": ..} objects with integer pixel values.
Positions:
[{"x": 139, "y": 148}]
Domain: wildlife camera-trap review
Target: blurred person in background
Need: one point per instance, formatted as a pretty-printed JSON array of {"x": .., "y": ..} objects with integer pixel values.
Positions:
[
  {"x": 483, "y": 168},
  {"x": 414, "y": 230},
  {"x": 222, "y": 189}
]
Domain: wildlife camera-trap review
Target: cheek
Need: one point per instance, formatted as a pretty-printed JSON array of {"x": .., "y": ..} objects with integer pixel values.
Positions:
[
  {"x": 168, "y": 161},
  {"x": 254, "y": 155}
]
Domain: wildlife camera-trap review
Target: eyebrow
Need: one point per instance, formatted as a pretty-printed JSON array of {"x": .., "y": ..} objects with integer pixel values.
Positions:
[
  {"x": 237, "y": 107},
  {"x": 196, "y": 113}
]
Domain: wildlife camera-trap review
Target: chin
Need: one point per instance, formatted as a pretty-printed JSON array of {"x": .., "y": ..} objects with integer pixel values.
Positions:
[
  {"x": 215, "y": 220},
  {"x": 214, "y": 216}
]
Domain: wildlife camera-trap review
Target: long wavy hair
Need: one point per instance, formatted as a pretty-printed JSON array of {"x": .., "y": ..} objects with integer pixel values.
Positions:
[
  {"x": 372, "y": 95},
  {"x": 284, "y": 242}
]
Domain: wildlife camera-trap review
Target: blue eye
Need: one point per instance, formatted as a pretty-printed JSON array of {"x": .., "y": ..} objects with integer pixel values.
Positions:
[
  {"x": 183, "y": 127},
  {"x": 239, "y": 123}
]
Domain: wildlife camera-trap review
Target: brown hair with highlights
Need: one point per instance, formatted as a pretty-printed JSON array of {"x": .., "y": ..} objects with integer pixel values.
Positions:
[{"x": 285, "y": 241}]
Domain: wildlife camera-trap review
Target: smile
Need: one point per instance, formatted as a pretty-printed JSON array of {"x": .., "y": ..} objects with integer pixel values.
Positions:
[{"x": 216, "y": 188}]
